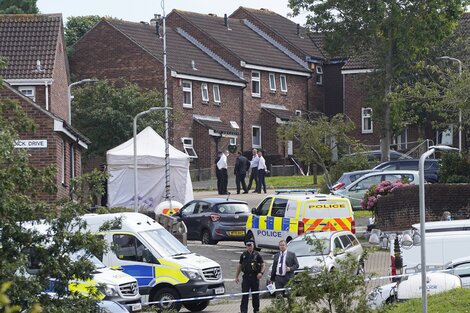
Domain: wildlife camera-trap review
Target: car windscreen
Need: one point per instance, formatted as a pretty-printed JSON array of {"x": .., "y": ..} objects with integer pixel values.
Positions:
[
  {"x": 90, "y": 257},
  {"x": 164, "y": 242},
  {"x": 232, "y": 208},
  {"x": 303, "y": 248}
]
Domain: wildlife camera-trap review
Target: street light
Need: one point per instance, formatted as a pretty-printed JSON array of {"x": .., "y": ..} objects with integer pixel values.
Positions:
[
  {"x": 70, "y": 97},
  {"x": 136, "y": 194},
  {"x": 460, "y": 110},
  {"x": 422, "y": 219}
]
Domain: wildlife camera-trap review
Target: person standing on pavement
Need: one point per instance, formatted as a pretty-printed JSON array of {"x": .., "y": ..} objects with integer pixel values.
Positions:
[
  {"x": 222, "y": 166},
  {"x": 253, "y": 267},
  {"x": 217, "y": 173},
  {"x": 261, "y": 173},
  {"x": 254, "y": 170},
  {"x": 241, "y": 167},
  {"x": 284, "y": 265}
]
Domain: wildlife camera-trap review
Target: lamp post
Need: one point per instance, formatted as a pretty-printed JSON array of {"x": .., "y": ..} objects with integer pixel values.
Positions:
[
  {"x": 460, "y": 110},
  {"x": 422, "y": 219},
  {"x": 70, "y": 97},
  {"x": 136, "y": 193}
]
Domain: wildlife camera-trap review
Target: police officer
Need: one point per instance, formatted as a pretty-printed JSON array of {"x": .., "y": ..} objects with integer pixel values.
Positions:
[{"x": 252, "y": 266}]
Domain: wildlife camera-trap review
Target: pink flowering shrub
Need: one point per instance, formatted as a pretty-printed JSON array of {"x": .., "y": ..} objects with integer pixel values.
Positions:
[{"x": 371, "y": 197}]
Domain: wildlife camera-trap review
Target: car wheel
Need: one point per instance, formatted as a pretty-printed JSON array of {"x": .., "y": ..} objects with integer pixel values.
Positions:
[
  {"x": 166, "y": 294},
  {"x": 206, "y": 238},
  {"x": 196, "y": 306}
]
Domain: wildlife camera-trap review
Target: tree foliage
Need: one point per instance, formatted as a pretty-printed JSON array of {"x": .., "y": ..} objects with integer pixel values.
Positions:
[
  {"x": 18, "y": 7},
  {"x": 318, "y": 138},
  {"x": 77, "y": 26},
  {"x": 20, "y": 185},
  {"x": 105, "y": 111},
  {"x": 391, "y": 36}
]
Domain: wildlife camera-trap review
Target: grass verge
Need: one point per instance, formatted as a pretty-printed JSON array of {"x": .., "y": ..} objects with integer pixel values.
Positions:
[{"x": 291, "y": 181}]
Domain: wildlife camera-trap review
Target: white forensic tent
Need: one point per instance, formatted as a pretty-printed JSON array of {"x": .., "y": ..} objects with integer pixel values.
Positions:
[{"x": 151, "y": 173}]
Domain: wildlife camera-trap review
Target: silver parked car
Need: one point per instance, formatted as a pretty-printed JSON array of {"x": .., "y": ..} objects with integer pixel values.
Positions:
[
  {"x": 335, "y": 245},
  {"x": 355, "y": 191}
]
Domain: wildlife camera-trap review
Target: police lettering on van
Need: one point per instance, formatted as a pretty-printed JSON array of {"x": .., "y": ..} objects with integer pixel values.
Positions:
[{"x": 285, "y": 216}]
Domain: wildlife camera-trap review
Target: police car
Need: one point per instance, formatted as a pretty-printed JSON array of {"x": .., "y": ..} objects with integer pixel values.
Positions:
[{"x": 288, "y": 214}]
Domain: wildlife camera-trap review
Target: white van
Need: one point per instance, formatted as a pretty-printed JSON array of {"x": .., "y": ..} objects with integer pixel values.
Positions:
[{"x": 164, "y": 268}]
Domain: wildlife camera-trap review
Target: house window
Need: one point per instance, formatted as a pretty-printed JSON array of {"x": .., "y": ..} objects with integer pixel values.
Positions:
[
  {"x": 28, "y": 91},
  {"x": 205, "y": 92},
  {"x": 367, "y": 125},
  {"x": 233, "y": 141},
  {"x": 298, "y": 112},
  {"x": 187, "y": 94},
  {"x": 283, "y": 80},
  {"x": 319, "y": 70},
  {"x": 256, "y": 136},
  {"x": 255, "y": 84},
  {"x": 63, "y": 164},
  {"x": 188, "y": 147},
  {"x": 272, "y": 82},
  {"x": 72, "y": 161},
  {"x": 216, "y": 92}
]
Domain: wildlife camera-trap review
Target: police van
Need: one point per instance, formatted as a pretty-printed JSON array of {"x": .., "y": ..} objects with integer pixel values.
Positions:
[
  {"x": 164, "y": 268},
  {"x": 287, "y": 215}
]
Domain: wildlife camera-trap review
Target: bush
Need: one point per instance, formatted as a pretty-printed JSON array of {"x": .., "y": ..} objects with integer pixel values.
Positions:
[
  {"x": 371, "y": 197},
  {"x": 454, "y": 168}
]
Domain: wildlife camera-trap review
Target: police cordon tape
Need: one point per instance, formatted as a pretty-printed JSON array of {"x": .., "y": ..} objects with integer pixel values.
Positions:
[{"x": 232, "y": 295}]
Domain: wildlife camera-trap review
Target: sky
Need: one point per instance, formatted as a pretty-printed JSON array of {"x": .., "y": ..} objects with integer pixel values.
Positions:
[{"x": 143, "y": 10}]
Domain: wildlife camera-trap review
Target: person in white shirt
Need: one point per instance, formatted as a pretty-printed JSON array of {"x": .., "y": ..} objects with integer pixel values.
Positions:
[
  {"x": 222, "y": 166},
  {"x": 254, "y": 170},
  {"x": 261, "y": 173}
]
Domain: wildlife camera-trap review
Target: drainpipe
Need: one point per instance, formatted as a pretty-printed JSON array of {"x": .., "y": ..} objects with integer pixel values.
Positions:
[
  {"x": 46, "y": 85},
  {"x": 242, "y": 126}
]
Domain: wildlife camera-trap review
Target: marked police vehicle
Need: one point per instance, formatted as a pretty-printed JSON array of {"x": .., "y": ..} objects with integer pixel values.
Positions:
[
  {"x": 164, "y": 268},
  {"x": 290, "y": 213}
]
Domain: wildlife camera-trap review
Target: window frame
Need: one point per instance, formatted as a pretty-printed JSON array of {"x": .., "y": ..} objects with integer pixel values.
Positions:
[
  {"x": 319, "y": 74},
  {"x": 22, "y": 89},
  {"x": 205, "y": 92},
  {"x": 283, "y": 83},
  {"x": 272, "y": 82},
  {"x": 233, "y": 141},
  {"x": 187, "y": 90},
  {"x": 216, "y": 94},
  {"x": 256, "y": 81},
  {"x": 365, "y": 117},
  {"x": 252, "y": 136},
  {"x": 189, "y": 146}
]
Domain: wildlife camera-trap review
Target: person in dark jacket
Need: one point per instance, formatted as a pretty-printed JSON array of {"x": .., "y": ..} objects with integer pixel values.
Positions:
[
  {"x": 284, "y": 266},
  {"x": 253, "y": 267},
  {"x": 242, "y": 165}
]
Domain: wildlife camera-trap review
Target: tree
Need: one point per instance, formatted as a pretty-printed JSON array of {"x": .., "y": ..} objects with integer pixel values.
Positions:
[
  {"x": 318, "y": 138},
  {"x": 18, "y": 7},
  {"x": 77, "y": 26},
  {"x": 394, "y": 35},
  {"x": 105, "y": 111},
  {"x": 20, "y": 183}
]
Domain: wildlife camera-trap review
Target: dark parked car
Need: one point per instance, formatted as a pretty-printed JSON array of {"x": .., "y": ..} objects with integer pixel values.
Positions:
[
  {"x": 431, "y": 167},
  {"x": 214, "y": 219},
  {"x": 376, "y": 155}
]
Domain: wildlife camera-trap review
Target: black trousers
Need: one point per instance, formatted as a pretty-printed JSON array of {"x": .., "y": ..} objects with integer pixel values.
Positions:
[
  {"x": 223, "y": 181},
  {"x": 250, "y": 282},
  {"x": 261, "y": 181},
  {"x": 219, "y": 182},
  {"x": 240, "y": 179},
  {"x": 253, "y": 177}
]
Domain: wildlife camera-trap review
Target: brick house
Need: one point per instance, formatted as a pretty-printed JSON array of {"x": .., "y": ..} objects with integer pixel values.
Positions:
[
  {"x": 355, "y": 95},
  {"x": 277, "y": 80},
  {"x": 205, "y": 94},
  {"x": 36, "y": 76}
]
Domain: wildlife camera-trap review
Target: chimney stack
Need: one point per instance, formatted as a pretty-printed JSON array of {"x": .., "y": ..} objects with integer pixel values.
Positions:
[
  {"x": 298, "y": 30},
  {"x": 226, "y": 20}
]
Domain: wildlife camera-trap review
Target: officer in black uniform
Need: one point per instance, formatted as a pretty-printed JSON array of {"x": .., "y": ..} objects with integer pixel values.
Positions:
[{"x": 252, "y": 266}]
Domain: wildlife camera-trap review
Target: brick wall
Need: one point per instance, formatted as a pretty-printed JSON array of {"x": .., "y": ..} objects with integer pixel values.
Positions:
[
  {"x": 52, "y": 155},
  {"x": 58, "y": 101},
  {"x": 400, "y": 209}
]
